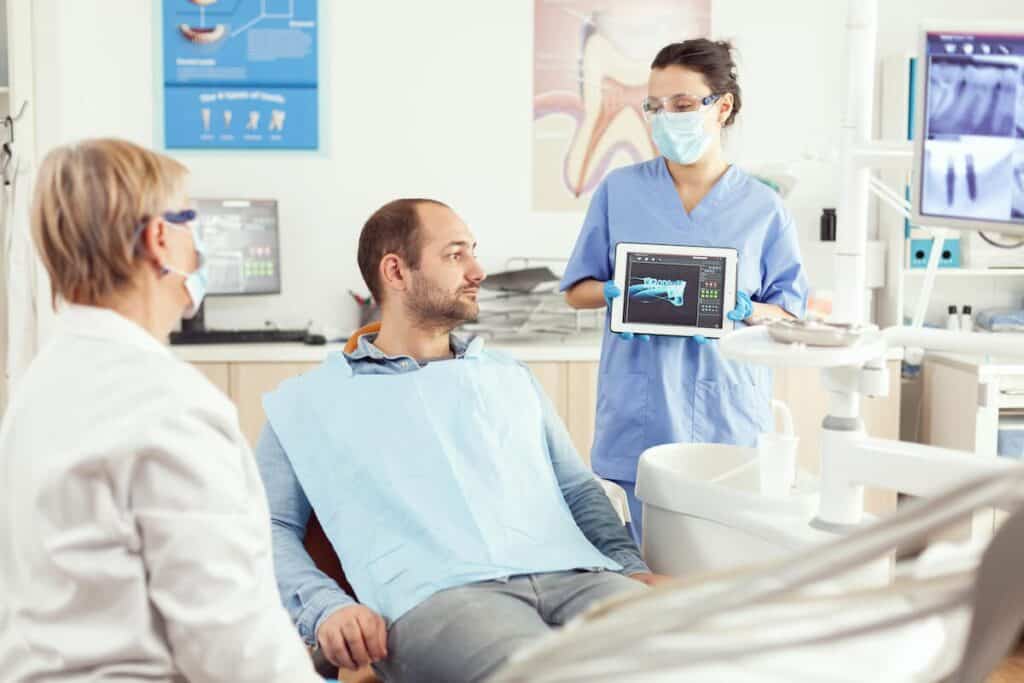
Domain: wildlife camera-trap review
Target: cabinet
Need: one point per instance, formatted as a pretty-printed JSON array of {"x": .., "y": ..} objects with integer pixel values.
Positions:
[
  {"x": 989, "y": 389},
  {"x": 572, "y": 388},
  {"x": 218, "y": 374},
  {"x": 802, "y": 391},
  {"x": 249, "y": 382}
]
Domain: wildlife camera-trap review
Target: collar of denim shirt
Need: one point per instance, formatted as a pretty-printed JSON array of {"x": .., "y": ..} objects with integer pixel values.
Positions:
[{"x": 366, "y": 351}]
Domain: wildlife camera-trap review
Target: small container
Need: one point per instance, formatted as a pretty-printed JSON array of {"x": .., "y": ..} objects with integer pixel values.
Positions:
[
  {"x": 953, "y": 319},
  {"x": 966, "y": 319},
  {"x": 776, "y": 460},
  {"x": 828, "y": 225},
  {"x": 776, "y": 455}
]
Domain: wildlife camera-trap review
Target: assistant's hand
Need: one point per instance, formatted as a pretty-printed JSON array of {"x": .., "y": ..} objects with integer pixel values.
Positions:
[
  {"x": 744, "y": 309},
  {"x": 652, "y": 580},
  {"x": 612, "y": 291},
  {"x": 353, "y": 637}
]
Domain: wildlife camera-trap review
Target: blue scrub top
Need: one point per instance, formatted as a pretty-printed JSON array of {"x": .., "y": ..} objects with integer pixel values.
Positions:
[{"x": 672, "y": 389}]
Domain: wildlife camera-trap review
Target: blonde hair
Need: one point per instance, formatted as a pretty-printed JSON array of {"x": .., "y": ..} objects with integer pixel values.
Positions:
[{"x": 89, "y": 199}]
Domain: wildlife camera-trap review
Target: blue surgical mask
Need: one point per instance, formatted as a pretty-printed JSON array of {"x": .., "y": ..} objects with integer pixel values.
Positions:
[
  {"x": 680, "y": 136},
  {"x": 195, "y": 282}
]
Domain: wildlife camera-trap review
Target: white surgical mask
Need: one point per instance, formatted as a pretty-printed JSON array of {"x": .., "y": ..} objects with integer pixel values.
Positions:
[{"x": 195, "y": 282}]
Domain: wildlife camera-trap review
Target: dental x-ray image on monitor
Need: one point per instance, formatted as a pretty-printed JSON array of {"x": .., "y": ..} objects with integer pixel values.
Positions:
[
  {"x": 970, "y": 177},
  {"x": 969, "y": 155},
  {"x": 970, "y": 95},
  {"x": 1017, "y": 211}
]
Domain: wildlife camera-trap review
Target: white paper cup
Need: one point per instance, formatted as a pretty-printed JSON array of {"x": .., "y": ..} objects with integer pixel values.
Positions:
[{"x": 776, "y": 457}]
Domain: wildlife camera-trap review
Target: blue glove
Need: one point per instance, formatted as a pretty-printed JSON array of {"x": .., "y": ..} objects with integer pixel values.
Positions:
[
  {"x": 612, "y": 291},
  {"x": 744, "y": 309}
]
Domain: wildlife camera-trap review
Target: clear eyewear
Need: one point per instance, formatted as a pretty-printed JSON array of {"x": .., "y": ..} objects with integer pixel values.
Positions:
[
  {"x": 675, "y": 104},
  {"x": 183, "y": 217}
]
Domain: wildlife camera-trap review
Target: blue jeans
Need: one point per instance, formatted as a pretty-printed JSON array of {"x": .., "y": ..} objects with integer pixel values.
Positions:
[{"x": 636, "y": 509}]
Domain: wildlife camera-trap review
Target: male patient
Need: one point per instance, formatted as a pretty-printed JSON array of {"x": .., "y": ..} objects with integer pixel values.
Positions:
[{"x": 461, "y": 513}]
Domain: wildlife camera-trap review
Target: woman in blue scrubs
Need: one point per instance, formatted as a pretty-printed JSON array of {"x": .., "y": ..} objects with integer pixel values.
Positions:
[{"x": 675, "y": 389}]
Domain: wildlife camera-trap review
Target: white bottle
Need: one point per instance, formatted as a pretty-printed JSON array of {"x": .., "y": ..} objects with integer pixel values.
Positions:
[
  {"x": 966, "y": 320},
  {"x": 953, "y": 320}
]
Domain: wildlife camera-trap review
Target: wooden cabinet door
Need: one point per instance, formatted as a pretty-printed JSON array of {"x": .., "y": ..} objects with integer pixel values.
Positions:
[
  {"x": 802, "y": 391},
  {"x": 249, "y": 381},
  {"x": 552, "y": 378},
  {"x": 582, "y": 396},
  {"x": 218, "y": 374}
]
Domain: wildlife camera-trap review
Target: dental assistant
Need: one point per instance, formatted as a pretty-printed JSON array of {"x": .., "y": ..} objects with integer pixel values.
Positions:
[
  {"x": 134, "y": 540},
  {"x": 671, "y": 389}
]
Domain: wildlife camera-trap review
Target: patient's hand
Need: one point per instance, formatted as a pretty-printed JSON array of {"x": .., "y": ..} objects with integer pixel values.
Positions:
[
  {"x": 353, "y": 637},
  {"x": 651, "y": 580}
]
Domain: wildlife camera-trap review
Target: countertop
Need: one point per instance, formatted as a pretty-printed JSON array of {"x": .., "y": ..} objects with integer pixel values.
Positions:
[
  {"x": 982, "y": 366},
  {"x": 581, "y": 349},
  {"x": 584, "y": 348}
]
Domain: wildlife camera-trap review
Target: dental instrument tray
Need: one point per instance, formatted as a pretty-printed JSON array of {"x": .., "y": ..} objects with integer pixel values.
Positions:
[
  {"x": 523, "y": 280},
  {"x": 674, "y": 290},
  {"x": 815, "y": 332}
]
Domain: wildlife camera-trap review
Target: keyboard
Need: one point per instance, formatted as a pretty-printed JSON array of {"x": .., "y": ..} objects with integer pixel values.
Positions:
[{"x": 239, "y": 336}]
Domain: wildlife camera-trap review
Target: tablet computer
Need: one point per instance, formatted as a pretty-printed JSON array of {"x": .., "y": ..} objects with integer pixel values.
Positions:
[{"x": 674, "y": 290}]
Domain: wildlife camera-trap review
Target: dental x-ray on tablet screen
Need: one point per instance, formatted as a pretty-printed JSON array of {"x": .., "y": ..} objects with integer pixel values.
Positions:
[{"x": 674, "y": 290}]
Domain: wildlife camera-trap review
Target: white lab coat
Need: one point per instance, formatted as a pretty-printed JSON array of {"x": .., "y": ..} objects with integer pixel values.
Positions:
[
  {"x": 134, "y": 530},
  {"x": 26, "y": 314}
]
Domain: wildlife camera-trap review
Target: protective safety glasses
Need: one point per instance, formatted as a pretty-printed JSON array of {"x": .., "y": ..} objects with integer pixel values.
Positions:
[
  {"x": 182, "y": 217},
  {"x": 675, "y": 104}
]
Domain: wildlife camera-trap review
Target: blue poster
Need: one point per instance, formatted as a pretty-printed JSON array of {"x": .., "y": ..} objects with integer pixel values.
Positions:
[{"x": 240, "y": 74}]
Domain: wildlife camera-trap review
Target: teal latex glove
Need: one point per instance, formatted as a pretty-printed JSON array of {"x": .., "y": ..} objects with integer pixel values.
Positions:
[
  {"x": 612, "y": 291},
  {"x": 744, "y": 309}
]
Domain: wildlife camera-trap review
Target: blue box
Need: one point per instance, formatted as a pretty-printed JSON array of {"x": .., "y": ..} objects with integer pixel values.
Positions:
[
  {"x": 920, "y": 250},
  {"x": 1011, "y": 438}
]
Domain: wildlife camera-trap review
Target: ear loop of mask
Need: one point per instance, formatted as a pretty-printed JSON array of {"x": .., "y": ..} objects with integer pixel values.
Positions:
[{"x": 195, "y": 282}]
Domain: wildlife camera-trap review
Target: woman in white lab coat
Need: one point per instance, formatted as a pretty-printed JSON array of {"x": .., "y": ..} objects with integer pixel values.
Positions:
[{"x": 134, "y": 532}]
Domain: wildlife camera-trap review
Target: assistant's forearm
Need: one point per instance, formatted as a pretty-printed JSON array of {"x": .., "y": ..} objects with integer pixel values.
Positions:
[
  {"x": 586, "y": 294},
  {"x": 771, "y": 312}
]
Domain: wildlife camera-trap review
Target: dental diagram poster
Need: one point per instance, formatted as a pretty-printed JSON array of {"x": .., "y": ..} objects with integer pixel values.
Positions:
[
  {"x": 590, "y": 66},
  {"x": 240, "y": 74}
]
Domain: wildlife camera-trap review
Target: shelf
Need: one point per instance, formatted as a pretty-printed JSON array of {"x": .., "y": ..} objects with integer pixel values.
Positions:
[{"x": 967, "y": 272}]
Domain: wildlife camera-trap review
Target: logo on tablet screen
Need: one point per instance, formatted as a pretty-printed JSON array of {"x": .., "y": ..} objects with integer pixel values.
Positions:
[{"x": 649, "y": 289}]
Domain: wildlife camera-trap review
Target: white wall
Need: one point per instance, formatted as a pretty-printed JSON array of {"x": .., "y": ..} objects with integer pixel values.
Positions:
[{"x": 433, "y": 99}]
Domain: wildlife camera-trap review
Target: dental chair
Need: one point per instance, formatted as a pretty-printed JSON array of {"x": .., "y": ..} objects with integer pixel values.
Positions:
[{"x": 326, "y": 560}]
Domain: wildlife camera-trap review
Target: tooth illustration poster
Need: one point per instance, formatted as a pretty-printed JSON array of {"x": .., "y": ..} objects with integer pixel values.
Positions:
[
  {"x": 240, "y": 74},
  {"x": 590, "y": 65}
]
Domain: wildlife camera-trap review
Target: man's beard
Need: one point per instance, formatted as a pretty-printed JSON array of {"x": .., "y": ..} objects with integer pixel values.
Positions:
[{"x": 432, "y": 306}]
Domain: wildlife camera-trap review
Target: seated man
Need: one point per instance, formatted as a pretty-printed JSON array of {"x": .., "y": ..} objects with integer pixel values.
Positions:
[{"x": 461, "y": 513}]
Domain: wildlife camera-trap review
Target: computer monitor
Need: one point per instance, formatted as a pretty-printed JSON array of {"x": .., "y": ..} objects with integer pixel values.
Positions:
[
  {"x": 969, "y": 134},
  {"x": 242, "y": 243}
]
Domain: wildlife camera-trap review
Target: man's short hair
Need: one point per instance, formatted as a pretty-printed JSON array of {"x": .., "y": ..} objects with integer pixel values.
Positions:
[{"x": 393, "y": 229}]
